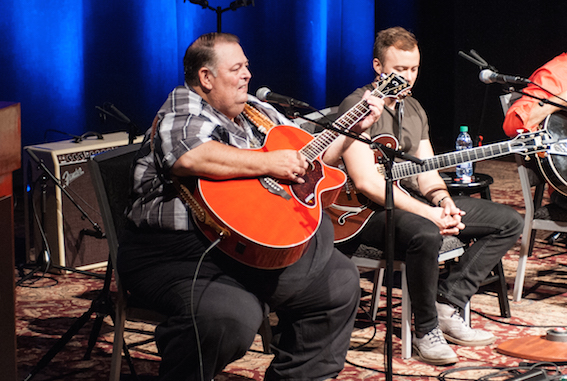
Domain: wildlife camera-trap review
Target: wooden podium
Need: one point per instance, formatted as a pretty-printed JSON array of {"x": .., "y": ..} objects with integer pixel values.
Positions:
[{"x": 10, "y": 159}]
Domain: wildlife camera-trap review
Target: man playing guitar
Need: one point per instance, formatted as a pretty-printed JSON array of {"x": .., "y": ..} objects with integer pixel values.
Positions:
[
  {"x": 214, "y": 302},
  {"x": 529, "y": 113},
  {"x": 421, "y": 221}
]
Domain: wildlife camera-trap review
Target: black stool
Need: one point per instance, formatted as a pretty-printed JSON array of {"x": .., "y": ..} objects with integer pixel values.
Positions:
[{"x": 480, "y": 183}]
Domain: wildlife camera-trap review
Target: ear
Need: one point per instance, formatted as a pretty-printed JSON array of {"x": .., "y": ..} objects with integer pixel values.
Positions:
[
  {"x": 377, "y": 66},
  {"x": 205, "y": 78}
]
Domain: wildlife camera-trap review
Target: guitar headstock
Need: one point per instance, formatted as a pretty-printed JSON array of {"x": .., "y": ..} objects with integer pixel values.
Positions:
[{"x": 392, "y": 86}]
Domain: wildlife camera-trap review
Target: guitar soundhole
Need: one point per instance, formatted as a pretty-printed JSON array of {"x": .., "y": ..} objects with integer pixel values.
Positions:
[{"x": 240, "y": 248}]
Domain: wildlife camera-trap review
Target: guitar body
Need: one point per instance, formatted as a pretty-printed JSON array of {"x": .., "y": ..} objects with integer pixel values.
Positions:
[
  {"x": 352, "y": 210},
  {"x": 554, "y": 166},
  {"x": 270, "y": 230},
  {"x": 349, "y": 213}
]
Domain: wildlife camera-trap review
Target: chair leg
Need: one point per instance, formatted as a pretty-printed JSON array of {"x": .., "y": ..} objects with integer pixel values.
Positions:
[
  {"x": 376, "y": 288},
  {"x": 406, "y": 316},
  {"x": 116, "y": 361},
  {"x": 502, "y": 291},
  {"x": 522, "y": 262},
  {"x": 466, "y": 313}
]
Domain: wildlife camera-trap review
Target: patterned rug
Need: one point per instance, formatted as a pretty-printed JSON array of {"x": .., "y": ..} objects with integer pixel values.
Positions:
[{"x": 52, "y": 304}]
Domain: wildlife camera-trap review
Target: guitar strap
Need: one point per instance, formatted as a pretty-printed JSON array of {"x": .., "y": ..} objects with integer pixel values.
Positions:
[
  {"x": 257, "y": 118},
  {"x": 400, "y": 118}
]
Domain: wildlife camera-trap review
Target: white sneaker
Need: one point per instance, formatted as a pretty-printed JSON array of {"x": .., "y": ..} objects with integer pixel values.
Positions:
[
  {"x": 433, "y": 349},
  {"x": 457, "y": 331}
]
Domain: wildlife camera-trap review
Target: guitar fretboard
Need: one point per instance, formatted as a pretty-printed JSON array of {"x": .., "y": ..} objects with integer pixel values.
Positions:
[{"x": 409, "y": 168}]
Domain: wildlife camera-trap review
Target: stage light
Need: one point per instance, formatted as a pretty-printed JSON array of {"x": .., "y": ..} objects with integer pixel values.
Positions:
[
  {"x": 202, "y": 3},
  {"x": 240, "y": 3}
]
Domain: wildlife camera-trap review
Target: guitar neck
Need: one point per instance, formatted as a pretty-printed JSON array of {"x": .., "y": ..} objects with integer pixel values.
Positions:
[
  {"x": 392, "y": 86},
  {"x": 344, "y": 122},
  {"x": 409, "y": 168}
]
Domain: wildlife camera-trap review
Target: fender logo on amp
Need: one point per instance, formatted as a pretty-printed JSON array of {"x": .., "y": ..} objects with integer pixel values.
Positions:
[{"x": 67, "y": 178}]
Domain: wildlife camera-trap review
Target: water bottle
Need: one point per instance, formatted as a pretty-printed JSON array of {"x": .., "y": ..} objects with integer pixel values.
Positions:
[{"x": 464, "y": 141}]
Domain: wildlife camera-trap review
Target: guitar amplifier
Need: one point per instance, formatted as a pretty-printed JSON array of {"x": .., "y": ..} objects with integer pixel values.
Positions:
[{"x": 68, "y": 223}]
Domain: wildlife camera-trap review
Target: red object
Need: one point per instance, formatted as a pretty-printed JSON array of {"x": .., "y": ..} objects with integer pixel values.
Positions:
[
  {"x": 268, "y": 230},
  {"x": 10, "y": 157}
]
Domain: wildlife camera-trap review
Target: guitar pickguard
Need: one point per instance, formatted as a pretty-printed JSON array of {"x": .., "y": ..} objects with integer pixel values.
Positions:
[{"x": 306, "y": 192}]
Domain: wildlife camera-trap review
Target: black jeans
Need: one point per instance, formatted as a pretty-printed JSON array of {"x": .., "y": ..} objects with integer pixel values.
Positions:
[
  {"x": 492, "y": 228},
  {"x": 316, "y": 300}
]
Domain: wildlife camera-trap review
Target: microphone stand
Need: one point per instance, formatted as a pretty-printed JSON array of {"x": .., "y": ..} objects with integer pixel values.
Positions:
[
  {"x": 387, "y": 160},
  {"x": 482, "y": 64},
  {"x": 101, "y": 306},
  {"x": 132, "y": 128}
]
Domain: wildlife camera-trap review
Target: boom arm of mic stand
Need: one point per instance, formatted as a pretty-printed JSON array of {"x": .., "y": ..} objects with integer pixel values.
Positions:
[
  {"x": 477, "y": 60},
  {"x": 544, "y": 100}
]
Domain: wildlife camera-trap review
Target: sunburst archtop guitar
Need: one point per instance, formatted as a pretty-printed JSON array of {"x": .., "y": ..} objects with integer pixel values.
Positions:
[
  {"x": 352, "y": 210},
  {"x": 553, "y": 162}
]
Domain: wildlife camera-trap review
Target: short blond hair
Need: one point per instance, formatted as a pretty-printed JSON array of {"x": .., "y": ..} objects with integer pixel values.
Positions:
[{"x": 397, "y": 37}]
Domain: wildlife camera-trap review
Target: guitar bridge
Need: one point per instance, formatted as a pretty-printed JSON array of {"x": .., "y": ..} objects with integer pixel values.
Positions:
[{"x": 274, "y": 187}]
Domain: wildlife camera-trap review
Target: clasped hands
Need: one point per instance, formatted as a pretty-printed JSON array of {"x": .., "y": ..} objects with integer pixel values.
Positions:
[{"x": 448, "y": 218}]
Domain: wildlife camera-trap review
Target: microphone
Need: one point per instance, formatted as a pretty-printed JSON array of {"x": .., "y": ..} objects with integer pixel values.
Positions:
[
  {"x": 266, "y": 95},
  {"x": 488, "y": 76},
  {"x": 120, "y": 115}
]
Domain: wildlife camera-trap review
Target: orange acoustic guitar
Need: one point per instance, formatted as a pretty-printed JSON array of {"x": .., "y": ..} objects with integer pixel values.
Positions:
[
  {"x": 270, "y": 223},
  {"x": 352, "y": 210}
]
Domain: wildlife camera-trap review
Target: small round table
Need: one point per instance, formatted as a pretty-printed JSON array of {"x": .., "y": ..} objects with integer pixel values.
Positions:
[{"x": 480, "y": 183}]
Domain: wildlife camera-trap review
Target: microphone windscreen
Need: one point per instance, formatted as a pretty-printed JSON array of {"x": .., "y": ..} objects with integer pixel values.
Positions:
[
  {"x": 262, "y": 93},
  {"x": 486, "y": 76}
]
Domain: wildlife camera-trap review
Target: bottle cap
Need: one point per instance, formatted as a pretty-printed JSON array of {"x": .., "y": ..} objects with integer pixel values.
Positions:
[{"x": 464, "y": 129}]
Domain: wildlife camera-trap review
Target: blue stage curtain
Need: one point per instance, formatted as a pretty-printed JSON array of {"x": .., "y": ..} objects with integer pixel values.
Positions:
[{"x": 61, "y": 59}]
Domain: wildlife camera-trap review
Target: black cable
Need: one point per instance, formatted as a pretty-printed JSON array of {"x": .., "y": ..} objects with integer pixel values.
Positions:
[
  {"x": 47, "y": 252},
  {"x": 549, "y": 92},
  {"x": 355, "y": 348},
  {"x": 75, "y": 137},
  {"x": 513, "y": 372},
  {"x": 194, "y": 320},
  {"x": 513, "y": 324},
  {"x": 442, "y": 375}
]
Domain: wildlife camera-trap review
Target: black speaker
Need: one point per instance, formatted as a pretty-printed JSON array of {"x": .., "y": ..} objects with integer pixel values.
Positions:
[{"x": 68, "y": 223}]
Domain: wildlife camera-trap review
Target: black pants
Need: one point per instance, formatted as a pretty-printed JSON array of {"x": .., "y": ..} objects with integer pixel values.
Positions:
[
  {"x": 493, "y": 228},
  {"x": 316, "y": 301}
]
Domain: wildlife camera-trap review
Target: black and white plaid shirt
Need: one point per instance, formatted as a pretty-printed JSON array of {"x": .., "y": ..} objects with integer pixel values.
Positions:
[{"x": 185, "y": 121}]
